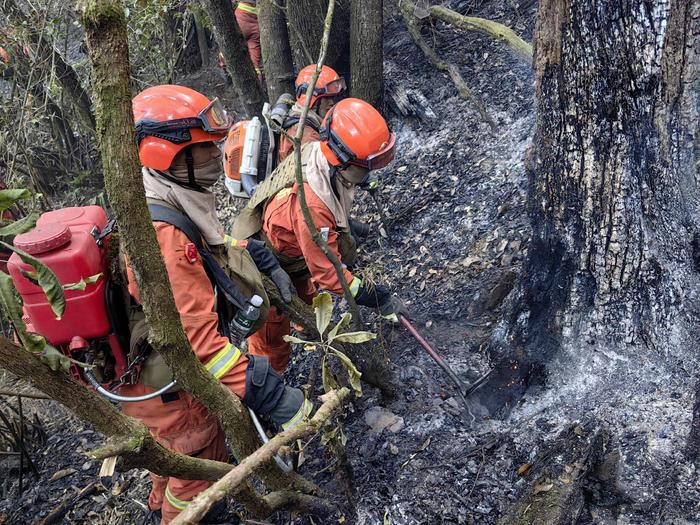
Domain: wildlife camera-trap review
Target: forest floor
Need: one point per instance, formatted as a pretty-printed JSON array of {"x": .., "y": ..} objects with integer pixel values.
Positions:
[{"x": 458, "y": 233}]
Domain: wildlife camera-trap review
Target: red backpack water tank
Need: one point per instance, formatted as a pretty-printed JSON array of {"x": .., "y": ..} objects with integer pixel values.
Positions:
[{"x": 63, "y": 240}]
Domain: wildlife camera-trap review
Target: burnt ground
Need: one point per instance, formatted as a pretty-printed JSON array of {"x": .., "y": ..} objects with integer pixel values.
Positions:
[{"x": 457, "y": 235}]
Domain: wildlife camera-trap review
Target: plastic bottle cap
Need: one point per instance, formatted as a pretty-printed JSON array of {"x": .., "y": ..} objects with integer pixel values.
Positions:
[
  {"x": 256, "y": 301},
  {"x": 43, "y": 238}
]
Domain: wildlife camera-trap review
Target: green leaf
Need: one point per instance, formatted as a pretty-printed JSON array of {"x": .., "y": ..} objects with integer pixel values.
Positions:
[
  {"x": 387, "y": 519},
  {"x": 47, "y": 280},
  {"x": 292, "y": 339},
  {"x": 55, "y": 359},
  {"x": 344, "y": 321},
  {"x": 21, "y": 226},
  {"x": 82, "y": 284},
  {"x": 327, "y": 376},
  {"x": 323, "y": 306},
  {"x": 10, "y": 301},
  {"x": 10, "y": 197},
  {"x": 12, "y": 305},
  {"x": 355, "y": 337},
  {"x": 353, "y": 373}
]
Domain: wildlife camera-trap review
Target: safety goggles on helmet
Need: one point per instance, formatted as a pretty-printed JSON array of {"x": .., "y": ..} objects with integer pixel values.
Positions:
[
  {"x": 346, "y": 156},
  {"x": 212, "y": 119},
  {"x": 331, "y": 89}
]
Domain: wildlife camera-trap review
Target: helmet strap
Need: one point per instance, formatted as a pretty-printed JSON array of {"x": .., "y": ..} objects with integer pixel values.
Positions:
[
  {"x": 189, "y": 159},
  {"x": 334, "y": 181}
]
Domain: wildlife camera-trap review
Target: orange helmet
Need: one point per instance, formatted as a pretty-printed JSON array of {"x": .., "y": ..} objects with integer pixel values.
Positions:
[
  {"x": 353, "y": 132},
  {"x": 329, "y": 84},
  {"x": 170, "y": 118}
]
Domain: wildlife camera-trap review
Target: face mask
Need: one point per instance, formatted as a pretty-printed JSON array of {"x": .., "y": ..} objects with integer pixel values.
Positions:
[{"x": 205, "y": 174}]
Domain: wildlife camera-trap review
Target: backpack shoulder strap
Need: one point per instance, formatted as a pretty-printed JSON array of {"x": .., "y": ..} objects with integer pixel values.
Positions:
[
  {"x": 293, "y": 121},
  {"x": 217, "y": 275}
]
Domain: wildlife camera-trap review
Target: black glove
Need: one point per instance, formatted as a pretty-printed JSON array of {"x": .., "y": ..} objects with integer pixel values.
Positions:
[
  {"x": 283, "y": 283},
  {"x": 359, "y": 230},
  {"x": 372, "y": 295},
  {"x": 392, "y": 308},
  {"x": 262, "y": 256}
]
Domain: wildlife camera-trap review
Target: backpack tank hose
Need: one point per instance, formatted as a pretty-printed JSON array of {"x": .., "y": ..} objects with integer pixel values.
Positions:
[{"x": 94, "y": 383}]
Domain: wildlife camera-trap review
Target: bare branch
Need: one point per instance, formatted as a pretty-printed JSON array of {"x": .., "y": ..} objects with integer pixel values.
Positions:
[
  {"x": 407, "y": 9},
  {"x": 487, "y": 27},
  {"x": 231, "y": 481}
]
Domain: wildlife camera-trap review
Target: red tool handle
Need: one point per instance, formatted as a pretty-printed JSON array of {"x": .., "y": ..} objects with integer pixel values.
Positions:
[{"x": 431, "y": 351}]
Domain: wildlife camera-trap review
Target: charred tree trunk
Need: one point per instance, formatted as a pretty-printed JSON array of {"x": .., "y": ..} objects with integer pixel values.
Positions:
[
  {"x": 366, "y": 55},
  {"x": 305, "y": 19},
  {"x": 613, "y": 195},
  {"x": 276, "y": 52},
  {"x": 235, "y": 51}
]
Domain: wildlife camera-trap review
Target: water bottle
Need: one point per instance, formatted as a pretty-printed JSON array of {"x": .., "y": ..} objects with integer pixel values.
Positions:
[{"x": 245, "y": 318}]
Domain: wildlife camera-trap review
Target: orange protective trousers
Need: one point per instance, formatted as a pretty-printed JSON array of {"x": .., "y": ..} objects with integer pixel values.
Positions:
[
  {"x": 183, "y": 424},
  {"x": 248, "y": 22}
]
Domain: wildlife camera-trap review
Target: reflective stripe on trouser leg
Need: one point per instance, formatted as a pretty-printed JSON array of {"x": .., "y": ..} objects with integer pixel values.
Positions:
[
  {"x": 355, "y": 286},
  {"x": 223, "y": 361},
  {"x": 304, "y": 410},
  {"x": 179, "y": 504}
]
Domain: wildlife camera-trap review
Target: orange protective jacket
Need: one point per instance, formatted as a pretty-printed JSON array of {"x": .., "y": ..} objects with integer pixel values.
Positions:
[
  {"x": 185, "y": 426},
  {"x": 286, "y": 146},
  {"x": 286, "y": 229}
]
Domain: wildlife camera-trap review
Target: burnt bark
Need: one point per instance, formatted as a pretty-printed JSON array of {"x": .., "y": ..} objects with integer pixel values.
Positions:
[
  {"x": 105, "y": 28},
  {"x": 366, "y": 54},
  {"x": 235, "y": 51},
  {"x": 613, "y": 199}
]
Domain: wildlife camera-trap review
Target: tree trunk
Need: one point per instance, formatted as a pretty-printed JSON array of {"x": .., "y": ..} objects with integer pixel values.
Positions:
[
  {"x": 202, "y": 44},
  {"x": 613, "y": 196},
  {"x": 305, "y": 19},
  {"x": 235, "y": 51},
  {"x": 105, "y": 28},
  {"x": 366, "y": 55},
  {"x": 276, "y": 52}
]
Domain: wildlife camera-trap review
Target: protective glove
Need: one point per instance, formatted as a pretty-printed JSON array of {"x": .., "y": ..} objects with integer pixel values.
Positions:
[
  {"x": 283, "y": 283},
  {"x": 359, "y": 230},
  {"x": 263, "y": 257},
  {"x": 392, "y": 308}
]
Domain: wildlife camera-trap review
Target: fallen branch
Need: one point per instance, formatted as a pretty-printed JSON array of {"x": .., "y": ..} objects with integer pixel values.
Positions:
[
  {"x": 231, "y": 481},
  {"x": 486, "y": 27},
  {"x": 407, "y": 10},
  {"x": 58, "y": 512},
  {"x": 27, "y": 395}
]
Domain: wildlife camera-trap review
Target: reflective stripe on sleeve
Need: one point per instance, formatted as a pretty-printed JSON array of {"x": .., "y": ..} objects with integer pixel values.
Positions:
[
  {"x": 223, "y": 361},
  {"x": 304, "y": 410},
  {"x": 179, "y": 504},
  {"x": 230, "y": 241},
  {"x": 355, "y": 286},
  {"x": 247, "y": 8}
]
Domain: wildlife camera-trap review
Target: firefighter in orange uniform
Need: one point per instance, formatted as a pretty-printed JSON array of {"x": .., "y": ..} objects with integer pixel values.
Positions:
[
  {"x": 354, "y": 139},
  {"x": 247, "y": 18},
  {"x": 330, "y": 87},
  {"x": 177, "y": 128}
]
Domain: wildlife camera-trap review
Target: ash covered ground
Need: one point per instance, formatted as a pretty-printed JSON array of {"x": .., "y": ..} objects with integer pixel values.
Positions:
[{"x": 457, "y": 235}]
